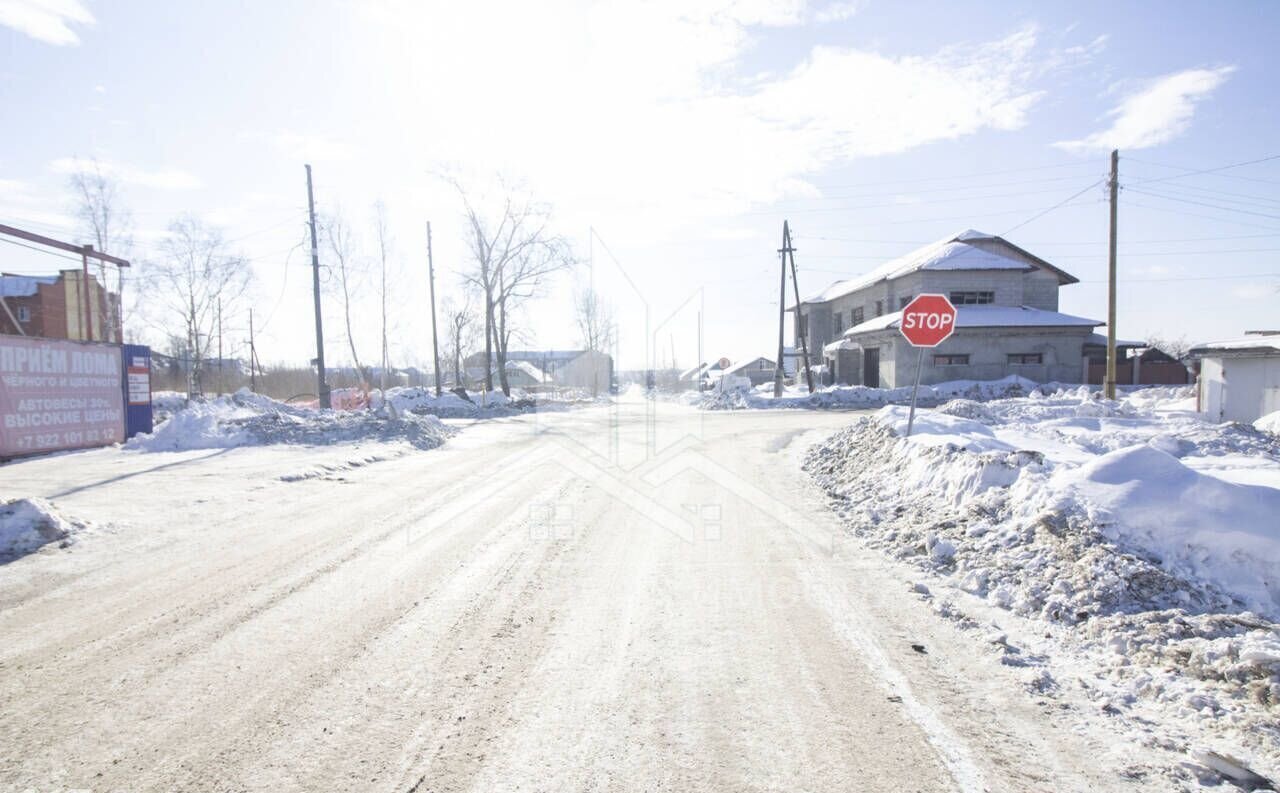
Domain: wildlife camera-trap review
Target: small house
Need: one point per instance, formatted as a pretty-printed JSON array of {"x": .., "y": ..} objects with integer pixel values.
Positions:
[{"x": 1239, "y": 378}]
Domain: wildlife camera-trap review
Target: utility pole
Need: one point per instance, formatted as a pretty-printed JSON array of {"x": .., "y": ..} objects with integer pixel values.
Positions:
[
  {"x": 795, "y": 285},
  {"x": 435, "y": 345},
  {"x": 778, "y": 371},
  {"x": 1109, "y": 387},
  {"x": 84, "y": 279},
  {"x": 253, "y": 357},
  {"x": 322, "y": 387},
  {"x": 220, "y": 380}
]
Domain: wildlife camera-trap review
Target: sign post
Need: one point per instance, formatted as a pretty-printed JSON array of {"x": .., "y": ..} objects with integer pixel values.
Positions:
[{"x": 927, "y": 321}]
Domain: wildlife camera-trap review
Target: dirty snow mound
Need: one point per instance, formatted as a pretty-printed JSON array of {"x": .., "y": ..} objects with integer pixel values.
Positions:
[
  {"x": 246, "y": 418},
  {"x": 1145, "y": 540},
  {"x": 26, "y": 524}
]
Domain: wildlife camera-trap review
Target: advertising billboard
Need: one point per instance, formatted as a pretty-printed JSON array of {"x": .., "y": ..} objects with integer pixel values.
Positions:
[{"x": 58, "y": 395}]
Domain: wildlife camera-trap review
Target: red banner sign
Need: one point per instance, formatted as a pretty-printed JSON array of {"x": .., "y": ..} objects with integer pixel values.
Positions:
[{"x": 58, "y": 395}]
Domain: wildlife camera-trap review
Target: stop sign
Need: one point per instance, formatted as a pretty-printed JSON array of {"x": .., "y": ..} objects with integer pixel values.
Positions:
[{"x": 928, "y": 320}]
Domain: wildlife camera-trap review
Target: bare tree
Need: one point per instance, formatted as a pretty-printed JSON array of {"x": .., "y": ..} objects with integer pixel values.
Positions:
[
  {"x": 104, "y": 220},
  {"x": 1176, "y": 348},
  {"x": 196, "y": 274},
  {"x": 595, "y": 326},
  {"x": 514, "y": 252},
  {"x": 342, "y": 244},
  {"x": 462, "y": 325}
]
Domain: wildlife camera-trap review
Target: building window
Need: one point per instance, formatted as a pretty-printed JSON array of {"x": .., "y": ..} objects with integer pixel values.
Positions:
[
  {"x": 857, "y": 317},
  {"x": 879, "y": 307},
  {"x": 1025, "y": 358},
  {"x": 839, "y": 323},
  {"x": 951, "y": 360},
  {"x": 903, "y": 301},
  {"x": 24, "y": 313},
  {"x": 804, "y": 325},
  {"x": 972, "y": 298}
]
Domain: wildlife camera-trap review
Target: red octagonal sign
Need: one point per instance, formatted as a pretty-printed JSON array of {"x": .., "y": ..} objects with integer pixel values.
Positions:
[{"x": 928, "y": 320}]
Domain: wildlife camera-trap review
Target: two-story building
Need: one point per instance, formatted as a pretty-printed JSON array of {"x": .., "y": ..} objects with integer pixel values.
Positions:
[
  {"x": 1007, "y": 318},
  {"x": 53, "y": 307}
]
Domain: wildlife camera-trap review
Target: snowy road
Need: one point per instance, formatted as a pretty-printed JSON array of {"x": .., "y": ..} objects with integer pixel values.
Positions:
[{"x": 602, "y": 599}]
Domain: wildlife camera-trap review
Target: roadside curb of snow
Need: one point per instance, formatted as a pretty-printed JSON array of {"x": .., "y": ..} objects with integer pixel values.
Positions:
[{"x": 1137, "y": 638}]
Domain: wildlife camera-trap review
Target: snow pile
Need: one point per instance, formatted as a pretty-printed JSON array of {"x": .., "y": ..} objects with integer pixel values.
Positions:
[
  {"x": 423, "y": 401},
  {"x": 1269, "y": 423},
  {"x": 1143, "y": 539},
  {"x": 245, "y": 418},
  {"x": 857, "y": 396},
  {"x": 26, "y": 524},
  {"x": 165, "y": 403}
]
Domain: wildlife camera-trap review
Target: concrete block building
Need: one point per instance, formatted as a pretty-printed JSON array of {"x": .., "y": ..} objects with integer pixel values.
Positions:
[{"x": 1007, "y": 318}]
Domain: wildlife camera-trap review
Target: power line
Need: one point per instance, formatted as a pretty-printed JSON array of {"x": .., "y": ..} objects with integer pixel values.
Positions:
[
  {"x": 1074, "y": 255},
  {"x": 1186, "y": 278},
  {"x": 1205, "y": 204},
  {"x": 881, "y": 193},
  {"x": 1196, "y": 172},
  {"x": 1075, "y": 164},
  {"x": 40, "y": 250},
  {"x": 1058, "y": 205},
  {"x": 1052, "y": 242},
  {"x": 901, "y": 205},
  {"x": 1217, "y": 218}
]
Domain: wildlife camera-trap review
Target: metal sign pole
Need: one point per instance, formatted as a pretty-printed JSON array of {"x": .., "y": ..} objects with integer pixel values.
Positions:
[{"x": 911, "y": 417}]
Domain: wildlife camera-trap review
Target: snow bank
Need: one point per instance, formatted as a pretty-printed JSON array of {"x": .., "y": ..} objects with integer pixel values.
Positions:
[
  {"x": 1144, "y": 540},
  {"x": 1269, "y": 423},
  {"x": 1198, "y": 526},
  {"x": 26, "y": 524},
  {"x": 855, "y": 396},
  {"x": 245, "y": 418}
]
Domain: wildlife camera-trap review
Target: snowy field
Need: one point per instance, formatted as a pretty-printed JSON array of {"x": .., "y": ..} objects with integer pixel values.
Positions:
[{"x": 1128, "y": 549}]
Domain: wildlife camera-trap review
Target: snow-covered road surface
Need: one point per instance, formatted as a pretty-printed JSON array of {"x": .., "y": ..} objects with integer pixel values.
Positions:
[{"x": 637, "y": 597}]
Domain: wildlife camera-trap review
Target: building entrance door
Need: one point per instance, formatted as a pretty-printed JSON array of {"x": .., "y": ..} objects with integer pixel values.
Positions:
[{"x": 871, "y": 367}]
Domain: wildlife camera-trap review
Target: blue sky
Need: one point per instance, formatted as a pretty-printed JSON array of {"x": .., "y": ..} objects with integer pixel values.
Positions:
[{"x": 682, "y": 132}]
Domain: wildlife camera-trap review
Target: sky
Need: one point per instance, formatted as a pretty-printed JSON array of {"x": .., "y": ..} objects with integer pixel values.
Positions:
[{"x": 671, "y": 140}]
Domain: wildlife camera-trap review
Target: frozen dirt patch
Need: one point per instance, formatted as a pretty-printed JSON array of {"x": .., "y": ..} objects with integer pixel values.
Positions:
[
  {"x": 1120, "y": 528},
  {"x": 28, "y": 524},
  {"x": 245, "y": 419}
]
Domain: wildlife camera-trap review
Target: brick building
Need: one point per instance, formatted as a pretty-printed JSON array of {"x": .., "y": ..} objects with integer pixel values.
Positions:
[{"x": 52, "y": 307}]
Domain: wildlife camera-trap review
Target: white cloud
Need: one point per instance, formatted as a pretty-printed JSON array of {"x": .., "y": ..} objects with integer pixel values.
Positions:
[
  {"x": 49, "y": 21},
  {"x": 169, "y": 179},
  {"x": 837, "y": 11},
  {"x": 591, "y": 114},
  {"x": 1157, "y": 113}
]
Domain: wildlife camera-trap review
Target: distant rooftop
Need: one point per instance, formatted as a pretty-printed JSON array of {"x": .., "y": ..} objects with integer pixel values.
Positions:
[
  {"x": 987, "y": 317},
  {"x": 951, "y": 253}
]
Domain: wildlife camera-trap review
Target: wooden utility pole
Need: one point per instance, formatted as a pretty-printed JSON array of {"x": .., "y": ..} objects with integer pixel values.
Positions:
[
  {"x": 795, "y": 285},
  {"x": 84, "y": 293},
  {"x": 253, "y": 357},
  {"x": 778, "y": 371},
  {"x": 220, "y": 376},
  {"x": 1109, "y": 385},
  {"x": 322, "y": 387},
  {"x": 435, "y": 345}
]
